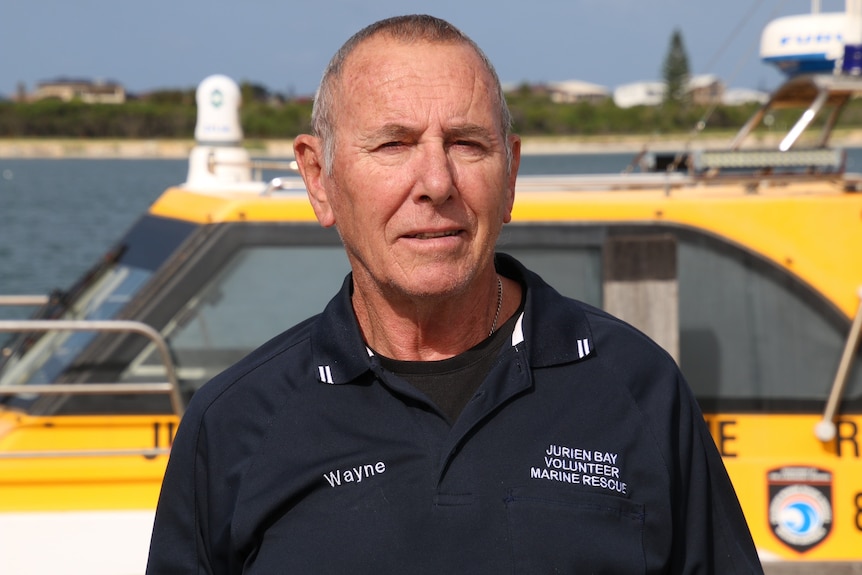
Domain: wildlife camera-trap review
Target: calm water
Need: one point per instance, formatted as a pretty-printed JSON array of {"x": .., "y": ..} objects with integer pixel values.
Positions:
[{"x": 57, "y": 217}]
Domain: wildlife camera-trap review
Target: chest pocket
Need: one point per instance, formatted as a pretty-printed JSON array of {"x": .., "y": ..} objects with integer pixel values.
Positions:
[{"x": 554, "y": 531}]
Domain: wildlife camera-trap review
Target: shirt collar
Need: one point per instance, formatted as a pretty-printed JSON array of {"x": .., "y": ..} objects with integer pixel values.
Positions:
[
  {"x": 553, "y": 328},
  {"x": 337, "y": 348}
]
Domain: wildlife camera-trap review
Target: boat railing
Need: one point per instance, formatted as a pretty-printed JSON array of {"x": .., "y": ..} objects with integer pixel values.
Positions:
[
  {"x": 24, "y": 300},
  {"x": 825, "y": 429},
  {"x": 670, "y": 181},
  {"x": 170, "y": 387},
  {"x": 148, "y": 452},
  {"x": 257, "y": 166}
]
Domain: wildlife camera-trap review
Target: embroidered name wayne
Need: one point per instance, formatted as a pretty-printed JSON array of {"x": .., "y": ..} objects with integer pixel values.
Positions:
[{"x": 354, "y": 474}]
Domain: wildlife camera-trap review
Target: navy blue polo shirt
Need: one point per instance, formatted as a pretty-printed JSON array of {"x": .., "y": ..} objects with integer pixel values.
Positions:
[{"x": 583, "y": 450}]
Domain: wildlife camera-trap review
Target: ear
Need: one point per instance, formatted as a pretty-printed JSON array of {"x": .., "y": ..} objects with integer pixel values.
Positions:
[
  {"x": 515, "y": 143},
  {"x": 309, "y": 158}
]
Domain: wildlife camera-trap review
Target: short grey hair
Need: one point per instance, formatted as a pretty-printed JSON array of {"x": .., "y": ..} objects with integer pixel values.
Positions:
[{"x": 410, "y": 28}]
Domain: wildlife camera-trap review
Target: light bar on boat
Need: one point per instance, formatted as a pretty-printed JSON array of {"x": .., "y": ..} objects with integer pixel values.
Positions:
[{"x": 752, "y": 159}]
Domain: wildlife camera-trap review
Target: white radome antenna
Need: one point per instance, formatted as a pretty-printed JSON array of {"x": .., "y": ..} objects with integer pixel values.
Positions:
[
  {"x": 218, "y": 99},
  {"x": 816, "y": 43},
  {"x": 218, "y": 158}
]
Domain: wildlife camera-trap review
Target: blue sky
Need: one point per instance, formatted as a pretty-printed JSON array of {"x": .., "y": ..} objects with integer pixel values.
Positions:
[{"x": 284, "y": 44}]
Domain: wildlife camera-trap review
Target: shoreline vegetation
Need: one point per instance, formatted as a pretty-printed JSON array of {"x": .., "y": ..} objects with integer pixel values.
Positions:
[{"x": 79, "y": 148}]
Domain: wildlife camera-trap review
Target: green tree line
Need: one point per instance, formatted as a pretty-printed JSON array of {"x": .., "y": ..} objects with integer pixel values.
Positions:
[
  {"x": 154, "y": 118},
  {"x": 173, "y": 116},
  {"x": 534, "y": 114}
]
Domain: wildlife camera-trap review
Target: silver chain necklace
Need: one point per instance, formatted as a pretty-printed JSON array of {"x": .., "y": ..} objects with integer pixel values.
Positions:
[{"x": 499, "y": 306}]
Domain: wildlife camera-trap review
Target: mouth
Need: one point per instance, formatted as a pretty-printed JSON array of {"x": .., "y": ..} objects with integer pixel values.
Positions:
[{"x": 433, "y": 235}]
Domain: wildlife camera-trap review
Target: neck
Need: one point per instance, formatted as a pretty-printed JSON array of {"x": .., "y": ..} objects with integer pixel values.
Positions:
[{"x": 437, "y": 327}]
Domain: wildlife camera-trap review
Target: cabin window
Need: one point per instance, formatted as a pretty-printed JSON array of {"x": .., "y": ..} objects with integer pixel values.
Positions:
[
  {"x": 258, "y": 293},
  {"x": 261, "y": 292},
  {"x": 752, "y": 336},
  {"x": 575, "y": 271},
  {"x": 567, "y": 257}
]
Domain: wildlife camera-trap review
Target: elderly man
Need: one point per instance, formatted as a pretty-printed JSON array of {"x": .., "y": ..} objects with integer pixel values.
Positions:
[{"x": 448, "y": 412}]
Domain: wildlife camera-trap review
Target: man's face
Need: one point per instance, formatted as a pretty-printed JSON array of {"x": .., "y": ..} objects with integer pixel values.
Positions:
[{"x": 419, "y": 188}]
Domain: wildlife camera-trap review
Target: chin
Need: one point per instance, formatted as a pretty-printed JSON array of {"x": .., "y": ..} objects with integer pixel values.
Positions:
[{"x": 433, "y": 281}]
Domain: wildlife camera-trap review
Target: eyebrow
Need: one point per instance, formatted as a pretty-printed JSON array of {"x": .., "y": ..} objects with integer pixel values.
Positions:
[
  {"x": 391, "y": 132},
  {"x": 470, "y": 131},
  {"x": 399, "y": 131}
]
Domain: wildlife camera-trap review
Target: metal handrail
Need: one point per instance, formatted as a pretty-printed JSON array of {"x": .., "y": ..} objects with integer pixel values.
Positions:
[
  {"x": 145, "y": 451},
  {"x": 257, "y": 166},
  {"x": 24, "y": 300},
  {"x": 674, "y": 180},
  {"x": 111, "y": 326},
  {"x": 290, "y": 165},
  {"x": 87, "y": 388},
  {"x": 825, "y": 429}
]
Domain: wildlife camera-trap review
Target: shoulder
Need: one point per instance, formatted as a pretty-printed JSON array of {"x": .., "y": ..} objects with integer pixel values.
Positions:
[
  {"x": 636, "y": 360},
  {"x": 555, "y": 323},
  {"x": 620, "y": 355},
  {"x": 253, "y": 380},
  {"x": 620, "y": 338},
  {"x": 648, "y": 376}
]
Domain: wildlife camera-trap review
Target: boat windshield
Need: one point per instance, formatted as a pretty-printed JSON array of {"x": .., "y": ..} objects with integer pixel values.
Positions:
[{"x": 258, "y": 293}]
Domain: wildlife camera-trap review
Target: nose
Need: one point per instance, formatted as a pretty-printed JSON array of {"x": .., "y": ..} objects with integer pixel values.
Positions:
[{"x": 435, "y": 182}]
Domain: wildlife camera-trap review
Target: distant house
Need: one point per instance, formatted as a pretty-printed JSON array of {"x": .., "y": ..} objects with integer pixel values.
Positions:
[
  {"x": 572, "y": 91},
  {"x": 703, "y": 89},
  {"x": 87, "y": 91},
  {"x": 740, "y": 96},
  {"x": 639, "y": 94}
]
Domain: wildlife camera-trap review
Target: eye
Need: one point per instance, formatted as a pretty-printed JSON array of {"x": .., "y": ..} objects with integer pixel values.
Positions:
[
  {"x": 393, "y": 146},
  {"x": 469, "y": 146}
]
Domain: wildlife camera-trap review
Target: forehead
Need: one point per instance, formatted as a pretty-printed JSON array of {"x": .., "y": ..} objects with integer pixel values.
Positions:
[{"x": 384, "y": 75}]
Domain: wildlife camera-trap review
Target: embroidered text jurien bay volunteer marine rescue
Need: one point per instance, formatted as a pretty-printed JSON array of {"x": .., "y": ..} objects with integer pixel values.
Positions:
[{"x": 591, "y": 457}]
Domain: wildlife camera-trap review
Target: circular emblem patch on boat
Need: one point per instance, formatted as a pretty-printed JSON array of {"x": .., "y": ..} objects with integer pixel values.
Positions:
[
  {"x": 800, "y": 506},
  {"x": 216, "y": 98}
]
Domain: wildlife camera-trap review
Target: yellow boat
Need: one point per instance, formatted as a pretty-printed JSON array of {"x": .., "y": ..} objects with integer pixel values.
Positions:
[{"x": 744, "y": 264}]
